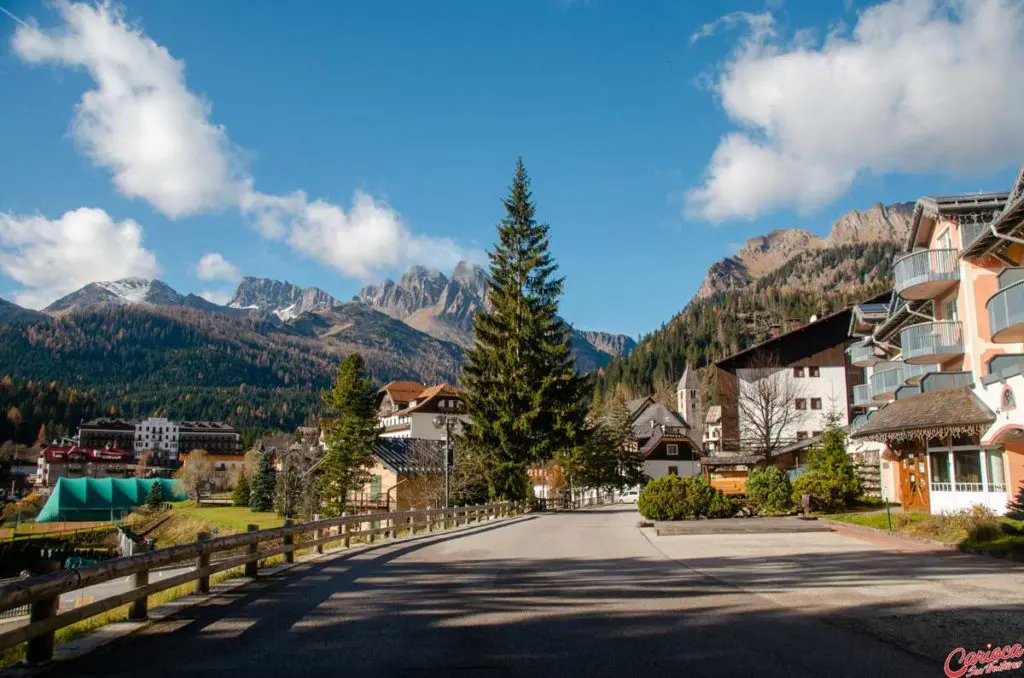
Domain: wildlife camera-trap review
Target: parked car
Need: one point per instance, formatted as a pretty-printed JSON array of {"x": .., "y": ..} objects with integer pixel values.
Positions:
[{"x": 630, "y": 495}]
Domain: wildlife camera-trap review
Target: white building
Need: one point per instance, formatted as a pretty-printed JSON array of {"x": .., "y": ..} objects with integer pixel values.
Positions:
[
  {"x": 688, "y": 402},
  {"x": 159, "y": 436},
  {"x": 712, "y": 432},
  {"x": 414, "y": 417}
]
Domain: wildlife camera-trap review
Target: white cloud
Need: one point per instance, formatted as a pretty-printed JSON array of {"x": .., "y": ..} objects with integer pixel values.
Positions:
[
  {"x": 51, "y": 258},
  {"x": 213, "y": 266},
  {"x": 140, "y": 122},
  {"x": 143, "y": 124},
  {"x": 917, "y": 86}
]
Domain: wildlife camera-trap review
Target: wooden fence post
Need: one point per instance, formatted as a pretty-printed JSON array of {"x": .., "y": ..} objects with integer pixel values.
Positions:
[
  {"x": 252, "y": 567},
  {"x": 40, "y": 648},
  {"x": 289, "y": 541},
  {"x": 139, "y": 609},
  {"x": 318, "y": 535},
  {"x": 411, "y": 520},
  {"x": 203, "y": 560}
]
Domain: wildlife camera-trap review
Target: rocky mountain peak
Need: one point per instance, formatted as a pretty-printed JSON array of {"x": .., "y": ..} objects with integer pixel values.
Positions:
[
  {"x": 282, "y": 298},
  {"x": 111, "y": 293},
  {"x": 762, "y": 255}
]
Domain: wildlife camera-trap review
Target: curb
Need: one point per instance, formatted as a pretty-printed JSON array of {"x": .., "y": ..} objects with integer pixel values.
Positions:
[{"x": 104, "y": 635}]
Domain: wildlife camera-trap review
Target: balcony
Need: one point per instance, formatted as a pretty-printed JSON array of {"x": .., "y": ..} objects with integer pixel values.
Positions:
[
  {"x": 913, "y": 373},
  {"x": 1006, "y": 313},
  {"x": 862, "y": 396},
  {"x": 942, "y": 381},
  {"x": 971, "y": 231},
  {"x": 864, "y": 356},
  {"x": 886, "y": 379},
  {"x": 933, "y": 342},
  {"x": 926, "y": 274}
]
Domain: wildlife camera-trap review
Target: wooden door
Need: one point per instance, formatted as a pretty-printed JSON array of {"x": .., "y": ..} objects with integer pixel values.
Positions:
[{"x": 914, "y": 481}]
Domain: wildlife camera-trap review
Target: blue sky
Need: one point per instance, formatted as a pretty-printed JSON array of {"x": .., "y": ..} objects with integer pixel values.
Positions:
[{"x": 658, "y": 135}]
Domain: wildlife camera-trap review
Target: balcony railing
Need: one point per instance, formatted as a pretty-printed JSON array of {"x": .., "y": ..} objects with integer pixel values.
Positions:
[
  {"x": 932, "y": 342},
  {"x": 942, "y": 381},
  {"x": 926, "y": 273},
  {"x": 913, "y": 373},
  {"x": 864, "y": 356},
  {"x": 862, "y": 395},
  {"x": 884, "y": 382},
  {"x": 1006, "y": 314},
  {"x": 971, "y": 231}
]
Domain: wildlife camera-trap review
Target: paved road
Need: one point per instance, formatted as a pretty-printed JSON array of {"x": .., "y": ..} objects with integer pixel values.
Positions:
[
  {"x": 571, "y": 594},
  {"x": 90, "y": 594}
]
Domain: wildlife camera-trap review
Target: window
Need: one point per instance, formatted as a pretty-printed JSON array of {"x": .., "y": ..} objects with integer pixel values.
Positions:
[
  {"x": 815, "y": 434},
  {"x": 815, "y": 403},
  {"x": 798, "y": 372},
  {"x": 801, "y": 403},
  {"x": 944, "y": 241},
  {"x": 941, "y": 478},
  {"x": 801, "y": 435},
  {"x": 967, "y": 466},
  {"x": 813, "y": 371},
  {"x": 673, "y": 470},
  {"x": 949, "y": 309},
  {"x": 994, "y": 466},
  {"x": 672, "y": 449}
]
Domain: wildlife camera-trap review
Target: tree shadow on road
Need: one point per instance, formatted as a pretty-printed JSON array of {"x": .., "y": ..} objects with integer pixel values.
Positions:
[{"x": 383, "y": 612}]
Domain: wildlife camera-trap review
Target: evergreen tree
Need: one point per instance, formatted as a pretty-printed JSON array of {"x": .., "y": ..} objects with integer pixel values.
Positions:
[
  {"x": 629, "y": 463},
  {"x": 521, "y": 390},
  {"x": 261, "y": 491},
  {"x": 240, "y": 495},
  {"x": 350, "y": 431},
  {"x": 155, "y": 497},
  {"x": 1015, "y": 509}
]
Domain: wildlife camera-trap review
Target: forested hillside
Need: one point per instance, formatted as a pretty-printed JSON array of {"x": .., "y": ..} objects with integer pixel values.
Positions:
[
  {"x": 817, "y": 282},
  {"x": 30, "y": 409}
]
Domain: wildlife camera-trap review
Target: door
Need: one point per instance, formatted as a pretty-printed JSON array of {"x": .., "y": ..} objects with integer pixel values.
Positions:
[{"x": 914, "y": 481}]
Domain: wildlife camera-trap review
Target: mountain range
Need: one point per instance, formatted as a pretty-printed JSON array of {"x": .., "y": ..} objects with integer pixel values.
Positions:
[{"x": 772, "y": 283}]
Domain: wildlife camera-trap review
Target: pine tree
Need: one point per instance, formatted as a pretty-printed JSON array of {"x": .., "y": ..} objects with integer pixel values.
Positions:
[
  {"x": 1015, "y": 509},
  {"x": 521, "y": 390},
  {"x": 261, "y": 491},
  {"x": 629, "y": 463},
  {"x": 155, "y": 497},
  {"x": 240, "y": 495},
  {"x": 350, "y": 431}
]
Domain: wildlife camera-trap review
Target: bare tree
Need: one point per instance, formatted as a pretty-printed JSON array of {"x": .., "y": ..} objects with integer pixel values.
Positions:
[
  {"x": 294, "y": 480},
  {"x": 142, "y": 465},
  {"x": 768, "y": 403},
  {"x": 197, "y": 474}
]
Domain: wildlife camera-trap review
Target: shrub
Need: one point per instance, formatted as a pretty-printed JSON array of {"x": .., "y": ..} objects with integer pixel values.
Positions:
[
  {"x": 723, "y": 506},
  {"x": 675, "y": 498},
  {"x": 770, "y": 490},
  {"x": 1015, "y": 509},
  {"x": 831, "y": 479}
]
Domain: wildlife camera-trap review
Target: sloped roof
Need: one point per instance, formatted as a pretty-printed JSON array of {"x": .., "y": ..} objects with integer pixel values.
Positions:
[
  {"x": 411, "y": 455},
  {"x": 401, "y": 391},
  {"x": 714, "y": 415},
  {"x": 689, "y": 380},
  {"x": 937, "y": 413},
  {"x": 660, "y": 415},
  {"x": 672, "y": 435},
  {"x": 436, "y": 391},
  {"x": 636, "y": 405}
]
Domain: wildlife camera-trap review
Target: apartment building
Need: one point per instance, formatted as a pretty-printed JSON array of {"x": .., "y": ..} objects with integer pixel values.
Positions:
[
  {"x": 945, "y": 361},
  {"x": 70, "y": 461},
  {"x": 163, "y": 438}
]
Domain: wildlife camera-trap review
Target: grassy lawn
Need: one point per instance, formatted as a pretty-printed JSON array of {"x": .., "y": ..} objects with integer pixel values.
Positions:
[
  {"x": 993, "y": 535},
  {"x": 878, "y": 520},
  {"x": 229, "y": 518}
]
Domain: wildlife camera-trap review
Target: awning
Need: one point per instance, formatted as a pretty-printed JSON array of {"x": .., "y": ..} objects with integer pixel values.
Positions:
[{"x": 929, "y": 415}]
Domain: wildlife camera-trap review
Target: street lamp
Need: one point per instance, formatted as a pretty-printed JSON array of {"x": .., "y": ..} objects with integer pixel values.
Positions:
[{"x": 445, "y": 421}]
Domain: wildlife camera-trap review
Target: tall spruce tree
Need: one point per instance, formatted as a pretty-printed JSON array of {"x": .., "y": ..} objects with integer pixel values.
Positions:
[
  {"x": 350, "y": 431},
  {"x": 261, "y": 491},
  {"x": 521, "y": 390}
]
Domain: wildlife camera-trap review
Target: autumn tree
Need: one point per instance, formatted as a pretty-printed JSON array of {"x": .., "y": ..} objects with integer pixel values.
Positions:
[{"x": 197, "y": 474}]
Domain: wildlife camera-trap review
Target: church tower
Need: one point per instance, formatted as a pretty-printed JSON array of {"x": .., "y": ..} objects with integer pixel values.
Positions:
[{"x": 688, "y": 403}]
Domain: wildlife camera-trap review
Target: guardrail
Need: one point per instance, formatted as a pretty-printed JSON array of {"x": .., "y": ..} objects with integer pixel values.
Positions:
[{"x": 42, "y": 593}]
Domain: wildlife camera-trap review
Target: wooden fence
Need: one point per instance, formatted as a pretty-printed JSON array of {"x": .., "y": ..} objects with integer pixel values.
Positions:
[{"x": 42, "y": 593}]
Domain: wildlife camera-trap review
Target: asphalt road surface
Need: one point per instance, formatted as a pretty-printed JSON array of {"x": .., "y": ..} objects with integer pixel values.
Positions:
[{"x": 570, "y": 594}]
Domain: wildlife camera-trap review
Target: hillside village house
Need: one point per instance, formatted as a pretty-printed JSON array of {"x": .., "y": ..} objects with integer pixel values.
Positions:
[
  {"x": 712, "y": 437},
  {"x": 780, "y": 394},
  {"x": 665, "y": 438},
  {"x": 71, "y": 461},
  {"x": 946, "y": 361},
  {"x": 408, "y": 473},
  {"x": 408, "y": 410}
]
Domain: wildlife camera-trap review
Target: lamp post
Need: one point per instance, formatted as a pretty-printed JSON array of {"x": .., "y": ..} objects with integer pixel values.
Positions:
[{"x": 445, "y": 421}]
